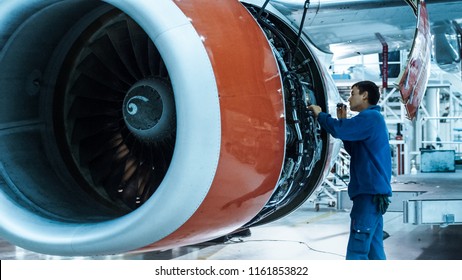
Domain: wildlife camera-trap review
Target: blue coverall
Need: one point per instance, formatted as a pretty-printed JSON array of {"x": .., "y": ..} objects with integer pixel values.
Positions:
[{"x": 365, "y": 138}]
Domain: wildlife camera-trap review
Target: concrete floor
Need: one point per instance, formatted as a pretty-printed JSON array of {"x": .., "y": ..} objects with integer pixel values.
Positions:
[
  {"x": 304, "y": 235},
  {"x": 307, "y": 234}
]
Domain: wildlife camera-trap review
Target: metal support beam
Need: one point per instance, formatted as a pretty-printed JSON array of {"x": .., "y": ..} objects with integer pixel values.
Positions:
[
  {"x": 459, "y": 39},
  {"x": 385, "y": 60}
]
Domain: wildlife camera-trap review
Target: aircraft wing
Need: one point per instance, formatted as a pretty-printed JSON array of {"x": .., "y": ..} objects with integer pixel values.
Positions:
[{"x": 348, "y": 28}]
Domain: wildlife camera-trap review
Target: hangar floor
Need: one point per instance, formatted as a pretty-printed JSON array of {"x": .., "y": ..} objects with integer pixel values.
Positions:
[{"x": 307, "y": 234}]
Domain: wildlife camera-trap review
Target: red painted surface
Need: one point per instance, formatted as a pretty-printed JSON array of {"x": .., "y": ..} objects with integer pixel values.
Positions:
[
  {"x": 253, "y": 129},
  {"x": 414, "y": 79}
]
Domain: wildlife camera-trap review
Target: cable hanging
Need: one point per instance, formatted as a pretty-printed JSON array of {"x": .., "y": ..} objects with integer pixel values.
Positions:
[{"x": 300, "y": 30}]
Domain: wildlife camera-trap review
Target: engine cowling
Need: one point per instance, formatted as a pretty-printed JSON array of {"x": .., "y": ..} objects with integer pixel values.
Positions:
[{"x": 128, "y": 125}]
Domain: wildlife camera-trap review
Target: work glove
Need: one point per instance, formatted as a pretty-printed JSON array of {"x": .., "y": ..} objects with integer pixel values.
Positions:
[{"x": 382, "y": 201}]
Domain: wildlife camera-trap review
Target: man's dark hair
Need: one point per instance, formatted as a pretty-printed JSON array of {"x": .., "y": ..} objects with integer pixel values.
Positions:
[{"x": 372, "y": 90}]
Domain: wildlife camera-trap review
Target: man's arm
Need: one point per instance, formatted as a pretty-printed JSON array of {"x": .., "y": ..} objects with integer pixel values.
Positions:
[
  {"x": 352, "y": 129},
  {"x": 341, "y": 110},
  {"x": 341, "y": 114},
  {"x": 321, "y": 117}
]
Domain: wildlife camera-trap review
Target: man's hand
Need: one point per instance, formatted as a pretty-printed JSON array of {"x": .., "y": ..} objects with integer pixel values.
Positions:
[
  {"x": 315, "y": 109},
  {"x": 341, "y": 111}
]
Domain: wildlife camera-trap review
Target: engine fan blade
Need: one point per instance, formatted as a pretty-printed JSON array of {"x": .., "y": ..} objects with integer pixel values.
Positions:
[
  {"x": 104, "y": 50},
  {"x": 123, "y": 45},
  {"x": 93, "y": 146},
  {"x": 139, "y": 41},
  {"x": 93, "y": 67},
  {"x": 87, "y": 107},
  {"x": 101, "y": 89},
  {"x": 155, "y": 62}
]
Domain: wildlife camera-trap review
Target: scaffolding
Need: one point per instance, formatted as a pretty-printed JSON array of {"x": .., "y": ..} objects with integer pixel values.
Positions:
[{"x": 336, "y": 182}]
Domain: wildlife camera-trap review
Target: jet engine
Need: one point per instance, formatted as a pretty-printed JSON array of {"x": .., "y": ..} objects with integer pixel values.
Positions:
[{"x": 132, "y": 125}]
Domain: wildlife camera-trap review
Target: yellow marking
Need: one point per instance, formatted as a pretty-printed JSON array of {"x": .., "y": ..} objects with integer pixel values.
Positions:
[{"x": 320, "y": 217}]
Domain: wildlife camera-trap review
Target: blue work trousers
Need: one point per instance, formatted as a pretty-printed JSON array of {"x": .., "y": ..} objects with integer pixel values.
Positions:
[{"x": 366, "y": 230}]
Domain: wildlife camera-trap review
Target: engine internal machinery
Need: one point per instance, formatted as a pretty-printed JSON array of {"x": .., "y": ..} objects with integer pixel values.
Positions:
[{"x": 304, "y": 142}]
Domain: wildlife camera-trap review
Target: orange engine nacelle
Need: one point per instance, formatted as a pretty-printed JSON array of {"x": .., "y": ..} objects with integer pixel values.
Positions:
[{"x": 133, "y": 125}]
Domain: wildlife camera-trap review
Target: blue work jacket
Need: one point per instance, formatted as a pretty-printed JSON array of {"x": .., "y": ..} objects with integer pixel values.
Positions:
[{"x": 365, "y": 138}]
